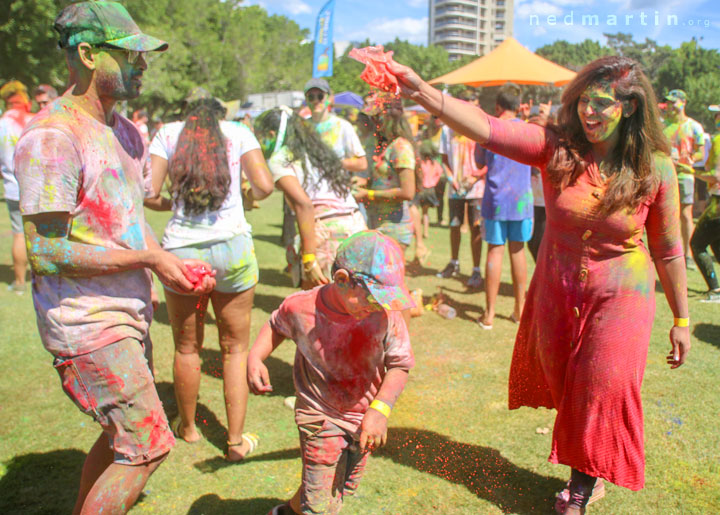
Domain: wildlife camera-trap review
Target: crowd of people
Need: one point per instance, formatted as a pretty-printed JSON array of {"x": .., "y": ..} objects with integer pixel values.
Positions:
[{"x": 581, "y": 187}]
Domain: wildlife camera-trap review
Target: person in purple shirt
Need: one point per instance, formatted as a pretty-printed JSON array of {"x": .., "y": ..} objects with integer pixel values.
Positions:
[{"x": 507, "y": 209}]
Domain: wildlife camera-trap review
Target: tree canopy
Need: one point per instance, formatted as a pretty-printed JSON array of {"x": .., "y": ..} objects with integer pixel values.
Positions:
[{"x": 233, "y": 49}]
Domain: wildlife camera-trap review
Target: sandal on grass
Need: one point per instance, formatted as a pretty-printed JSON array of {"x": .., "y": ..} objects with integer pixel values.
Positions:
[
  {"x": 251, "y": 439},
  {"x": 563, "y": 497},
  {"x": 281, "y": 509},
  {"x": 486, "y": 327},
  {"x": 175, "y": 428}
]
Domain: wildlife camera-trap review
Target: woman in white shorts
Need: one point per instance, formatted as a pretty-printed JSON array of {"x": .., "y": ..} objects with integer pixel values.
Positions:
[
  {"x": 296, "y": 153},
  {"x": 203, "y": 157}
]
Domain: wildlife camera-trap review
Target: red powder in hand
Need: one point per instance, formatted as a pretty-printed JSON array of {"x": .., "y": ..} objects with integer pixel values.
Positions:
[
  {"x": 376, "y": 72},
  {"x": 196, "y": 274}
]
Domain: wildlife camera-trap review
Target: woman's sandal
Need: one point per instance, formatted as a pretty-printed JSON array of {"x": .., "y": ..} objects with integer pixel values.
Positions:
[
  {"x": 281, "y": 509},
  {"x": 252, "y": 440},
  {"x": 175, "y": 428},
  {"x": 486, "y": 327},
  {"x": 563, "y": 497}
]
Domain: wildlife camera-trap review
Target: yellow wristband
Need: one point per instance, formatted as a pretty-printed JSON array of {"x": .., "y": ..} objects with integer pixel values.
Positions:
[
  {"x": 381, "y": 407},
  {"x": 682, "y": 322},
  {"x": 308, "y": 258},
  {"x": 371, "y": 194}
]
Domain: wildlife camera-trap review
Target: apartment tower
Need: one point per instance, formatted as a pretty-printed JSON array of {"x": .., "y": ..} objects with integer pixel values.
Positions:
[{"x": 469, "y": 27}]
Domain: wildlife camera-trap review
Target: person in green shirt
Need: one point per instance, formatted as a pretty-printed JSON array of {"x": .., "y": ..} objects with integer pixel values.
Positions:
[{"x": 687, "y": 141}]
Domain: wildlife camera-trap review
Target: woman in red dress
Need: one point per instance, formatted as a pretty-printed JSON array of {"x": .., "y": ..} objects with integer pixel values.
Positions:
[{"x": 583, "y": 339}]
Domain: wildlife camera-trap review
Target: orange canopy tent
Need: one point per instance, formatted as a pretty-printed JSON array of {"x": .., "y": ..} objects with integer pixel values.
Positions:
[{"x": 509, "y": 62}]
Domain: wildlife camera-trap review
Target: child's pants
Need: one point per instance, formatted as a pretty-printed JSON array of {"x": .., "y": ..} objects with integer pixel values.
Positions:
[{"x": 332, "y": 467}]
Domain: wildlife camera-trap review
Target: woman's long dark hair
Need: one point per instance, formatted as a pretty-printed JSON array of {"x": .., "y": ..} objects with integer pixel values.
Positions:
[
  {"x": 303, "y": 141},
  {"x": 630, "y": 167},
  {"x": 199, "y": 170}
]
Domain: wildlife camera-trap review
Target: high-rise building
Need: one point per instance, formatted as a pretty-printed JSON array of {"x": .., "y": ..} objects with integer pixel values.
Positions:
[{"x": 469, "y": 27}]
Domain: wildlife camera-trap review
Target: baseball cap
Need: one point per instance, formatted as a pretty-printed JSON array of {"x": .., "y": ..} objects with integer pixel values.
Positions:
[
  {"x": 320, "y": 84},
  {"x": 379, "y": 262},
  {"x": 100, "y": 23},
  {"x": 676, "y": 94},
  {"x": 714, "y": 107}
]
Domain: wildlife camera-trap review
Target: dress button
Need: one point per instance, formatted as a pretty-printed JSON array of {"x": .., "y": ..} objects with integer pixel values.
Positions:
[
  {"x": 583, "y": 274},
  {"x": 586, "y": 234},
  {"x": 576, "y": 312}
]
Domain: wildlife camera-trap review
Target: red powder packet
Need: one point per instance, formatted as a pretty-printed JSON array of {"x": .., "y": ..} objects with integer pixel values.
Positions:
[
  {"x": 376, "y": 72},
  {"x": 196, "y": 274}
]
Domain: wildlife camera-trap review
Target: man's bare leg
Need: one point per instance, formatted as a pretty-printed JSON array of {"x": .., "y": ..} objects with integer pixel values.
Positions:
[{"x": 109, "y": 487}]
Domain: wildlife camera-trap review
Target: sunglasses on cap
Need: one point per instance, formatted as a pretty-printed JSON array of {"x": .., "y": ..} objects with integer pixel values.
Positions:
[
  {"x": 131, "y": 55},
  {"x": 312, "y": 97}
]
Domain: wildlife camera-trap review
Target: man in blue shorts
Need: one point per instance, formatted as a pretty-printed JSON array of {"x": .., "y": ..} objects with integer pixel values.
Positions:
[{"x": 507, "y": 209}]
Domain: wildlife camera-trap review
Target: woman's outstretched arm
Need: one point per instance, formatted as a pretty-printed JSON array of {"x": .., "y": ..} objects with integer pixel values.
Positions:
[{"x": 523, "y": 142}]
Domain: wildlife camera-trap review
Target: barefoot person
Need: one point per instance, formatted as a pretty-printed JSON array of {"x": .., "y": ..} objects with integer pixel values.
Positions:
[
  {"x": 79, "y": 165},
  {"x": 202, "y": 156},
  {"x": 584, "y": 333}
]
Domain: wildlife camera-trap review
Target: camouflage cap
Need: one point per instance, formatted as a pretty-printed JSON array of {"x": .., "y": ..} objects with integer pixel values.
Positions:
[{"x": 103, "y": 23}]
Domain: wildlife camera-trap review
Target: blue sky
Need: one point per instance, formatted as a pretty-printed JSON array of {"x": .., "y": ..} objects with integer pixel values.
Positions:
[{"x": 383, "y": 20}]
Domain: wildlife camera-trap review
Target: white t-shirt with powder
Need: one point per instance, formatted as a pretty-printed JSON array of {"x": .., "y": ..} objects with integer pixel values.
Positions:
[
  {"x": 319, "y": 190},
  {"x": 212, "y": 226}
]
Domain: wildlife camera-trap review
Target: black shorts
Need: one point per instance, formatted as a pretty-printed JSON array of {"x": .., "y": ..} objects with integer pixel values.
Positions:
[{"x": 457, "y": 211}]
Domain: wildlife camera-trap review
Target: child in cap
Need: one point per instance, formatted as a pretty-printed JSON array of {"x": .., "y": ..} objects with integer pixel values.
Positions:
[{"x": 352, "y": 362}]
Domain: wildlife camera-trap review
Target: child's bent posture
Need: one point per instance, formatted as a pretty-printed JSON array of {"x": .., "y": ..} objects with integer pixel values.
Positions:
[{"x": 352, "y": 361}]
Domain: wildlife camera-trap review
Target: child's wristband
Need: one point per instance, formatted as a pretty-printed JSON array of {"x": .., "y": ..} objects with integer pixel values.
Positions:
[
  {"x": 682, "y": 322},
  {"x": 308, "y": 258},
  {"x": 380, "y": 406},
  {"x": 371, "y": 195}
]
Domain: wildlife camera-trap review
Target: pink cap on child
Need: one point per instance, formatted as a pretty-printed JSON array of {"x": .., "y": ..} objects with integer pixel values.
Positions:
[{"x": 379, "y": 262}]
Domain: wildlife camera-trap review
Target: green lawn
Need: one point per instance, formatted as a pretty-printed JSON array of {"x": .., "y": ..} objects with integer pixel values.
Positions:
[{"x": 453, "y": 445}]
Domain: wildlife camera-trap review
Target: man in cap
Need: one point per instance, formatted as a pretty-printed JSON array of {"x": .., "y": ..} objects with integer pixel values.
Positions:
[
  {"x": 16, "y": 116},
  {"x": 79, "y": 165},
  {"x": 336, "y": 132},
  {"x": 687, "y": 141},
  {"x": 707, "y": 230}
]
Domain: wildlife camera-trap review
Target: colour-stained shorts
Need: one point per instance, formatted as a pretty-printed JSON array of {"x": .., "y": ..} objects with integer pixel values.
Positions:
[
  {"x": 686, "y": 183},
  {"x": 330, "y": 232},
  {"x": 114, "y": 385},
  {"x": 332, "y": 467},
  {"x": 16, "y": 224},
  {"x": 233, "y": 260},
  {"x": 497, "y": 232}
]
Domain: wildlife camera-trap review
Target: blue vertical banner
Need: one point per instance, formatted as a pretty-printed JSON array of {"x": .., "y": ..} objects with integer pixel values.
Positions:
[{"x": 323, "y": 56}]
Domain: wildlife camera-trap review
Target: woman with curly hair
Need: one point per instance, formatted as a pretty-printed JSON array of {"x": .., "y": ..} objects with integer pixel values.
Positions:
[
  {"x": 392, "y": 185},
  {"x": 585, "y": 330},
  {"x": 298, "y": 157},
  {"x": 203, "y": 157}
]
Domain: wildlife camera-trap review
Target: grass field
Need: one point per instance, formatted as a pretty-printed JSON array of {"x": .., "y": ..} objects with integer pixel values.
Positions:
[{"x": 453, "y": 445}]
